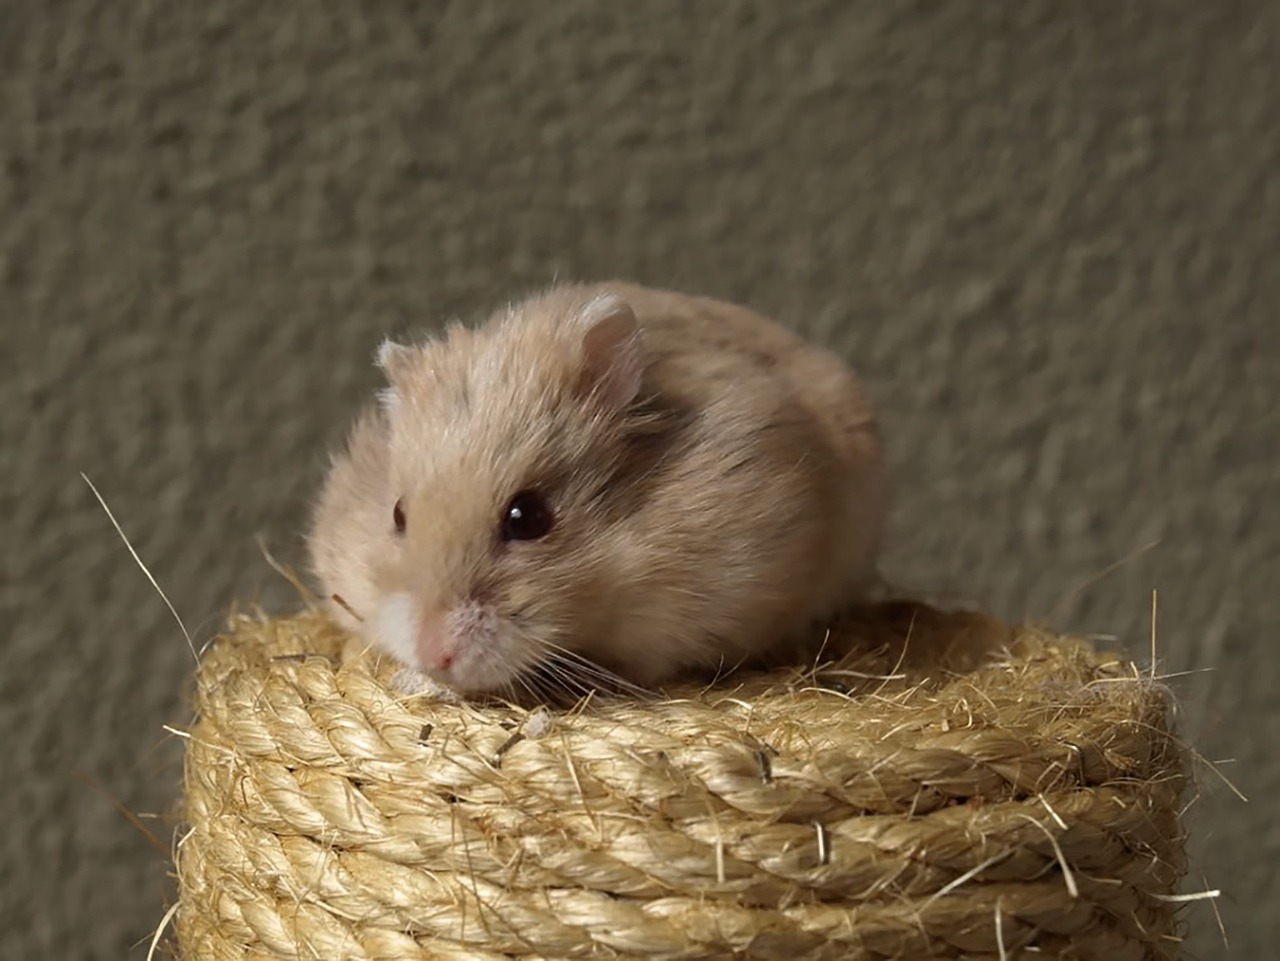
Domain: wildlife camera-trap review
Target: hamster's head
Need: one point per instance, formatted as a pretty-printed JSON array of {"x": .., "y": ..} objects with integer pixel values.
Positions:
[{"x": 479, "y": 557}]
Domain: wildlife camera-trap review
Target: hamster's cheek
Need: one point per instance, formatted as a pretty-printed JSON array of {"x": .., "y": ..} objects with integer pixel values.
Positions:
[{"x": 394, "y": 627}]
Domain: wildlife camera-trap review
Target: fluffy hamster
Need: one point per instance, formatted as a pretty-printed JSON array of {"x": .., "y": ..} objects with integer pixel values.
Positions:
[{"x": 601, "y": 481}]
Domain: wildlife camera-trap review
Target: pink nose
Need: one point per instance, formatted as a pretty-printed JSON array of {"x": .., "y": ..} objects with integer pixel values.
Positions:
[{"x": 436, "y": 645}]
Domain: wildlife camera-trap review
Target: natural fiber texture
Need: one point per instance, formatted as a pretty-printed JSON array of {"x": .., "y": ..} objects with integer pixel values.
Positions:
[{"x": 986, "y": 792}]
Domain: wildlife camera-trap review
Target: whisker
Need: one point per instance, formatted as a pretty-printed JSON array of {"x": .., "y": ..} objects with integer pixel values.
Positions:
[
  {"x": 557, "y": 673},
  {"x": 566, "y": 678},
  {"x": 567, "y": 681},
  {"x": 545, "y": 687},
  {"x": 508, "y": 692},
  {"x": 539, "y": 691},
  {"x": 586, "y": 667},
  {"x": 573, "y": 676}
]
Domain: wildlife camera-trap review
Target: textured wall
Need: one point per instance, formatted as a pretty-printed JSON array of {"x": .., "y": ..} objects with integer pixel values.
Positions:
[{"x": 1047, "y": 234}]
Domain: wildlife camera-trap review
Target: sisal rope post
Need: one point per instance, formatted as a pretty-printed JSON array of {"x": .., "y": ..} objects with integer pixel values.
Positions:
[{"x": 949, "y": 786}]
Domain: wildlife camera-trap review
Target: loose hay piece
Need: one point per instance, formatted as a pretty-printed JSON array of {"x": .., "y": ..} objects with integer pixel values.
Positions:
[{"x": 986, "y": 792}]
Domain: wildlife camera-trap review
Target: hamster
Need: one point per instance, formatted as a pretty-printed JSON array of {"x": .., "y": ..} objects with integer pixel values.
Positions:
[{"x": 601, "y": 483}]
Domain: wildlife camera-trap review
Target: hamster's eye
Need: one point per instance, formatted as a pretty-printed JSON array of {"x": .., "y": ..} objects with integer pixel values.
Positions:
[
  {"x": 527, "y": 517},
  {"x": 397, "y": 515}
]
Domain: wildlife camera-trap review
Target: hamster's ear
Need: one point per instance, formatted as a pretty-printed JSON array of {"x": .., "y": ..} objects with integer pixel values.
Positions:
[
  {"x": 389, "y": 400},
  {"x": 612, "y": 364},
  {"x": 393, "y": 358}
]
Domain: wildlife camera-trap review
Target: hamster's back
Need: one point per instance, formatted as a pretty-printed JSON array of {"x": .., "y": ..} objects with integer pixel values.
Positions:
[
  {"x": 712, "y": 348},
  {"x": 797, "y": 412}
]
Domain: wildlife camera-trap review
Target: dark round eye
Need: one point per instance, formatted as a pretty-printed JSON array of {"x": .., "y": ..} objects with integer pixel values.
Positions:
[
  {"x": 397, "y": 515},
  {"x": 527, "y": 517}
]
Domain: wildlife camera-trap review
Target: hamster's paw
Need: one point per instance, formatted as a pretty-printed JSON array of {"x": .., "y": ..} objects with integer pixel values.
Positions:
[{"x": 416, "y": 684}]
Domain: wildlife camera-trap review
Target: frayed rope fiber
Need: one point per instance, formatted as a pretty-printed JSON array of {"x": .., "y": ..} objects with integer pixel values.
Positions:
[{"x": 944, "y": 786}]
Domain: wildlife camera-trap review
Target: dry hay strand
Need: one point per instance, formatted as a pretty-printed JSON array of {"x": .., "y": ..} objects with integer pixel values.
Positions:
[{"x": 948, "y": 787}]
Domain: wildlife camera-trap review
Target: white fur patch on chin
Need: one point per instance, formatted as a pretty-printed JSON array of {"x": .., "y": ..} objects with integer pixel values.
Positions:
[
  {"x": 395, "y": 627},
  {"x": 490, "y": 653}
]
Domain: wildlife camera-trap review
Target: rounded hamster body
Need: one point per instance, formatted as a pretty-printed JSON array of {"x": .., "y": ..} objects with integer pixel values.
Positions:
[{"x": 601, "y": 480}]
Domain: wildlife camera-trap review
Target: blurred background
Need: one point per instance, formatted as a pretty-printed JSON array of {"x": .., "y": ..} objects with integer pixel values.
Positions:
[{"x": 1045, "y": 233}]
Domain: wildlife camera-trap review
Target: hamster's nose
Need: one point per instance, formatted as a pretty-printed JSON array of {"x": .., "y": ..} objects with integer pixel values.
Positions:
[{"x": 435, "y": 644}]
